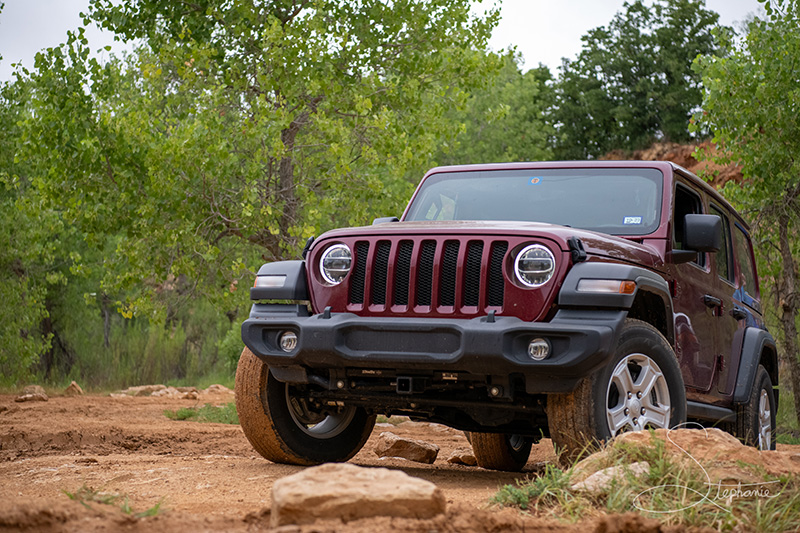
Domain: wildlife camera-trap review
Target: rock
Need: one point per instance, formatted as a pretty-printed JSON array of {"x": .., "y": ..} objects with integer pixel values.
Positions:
[
  {"x": 463, "y": 456},
  {"x": 73, "y": 390},
  {"x": 36, "y": 397},
  {"x": 143, "y": 390},
  {"x": 167, "y": 391},
  {"x": 218, "y": 389},
  {"x": 390, "y": 445},
  {"x": 186, "y": 389},
  {"x": 191, "y": 395},
  {"x": 350, "y": 492},
  {"x": 721, "y": 455},
  {"x": 601, "y": 480},
  {"x": 33, "y": 389}
]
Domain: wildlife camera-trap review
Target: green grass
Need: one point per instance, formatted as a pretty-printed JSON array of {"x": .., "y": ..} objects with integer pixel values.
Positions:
[
  {"x": 225, "y": 414},
  {"x": 87, "y": 495},
  {"x": 672, "y": 492},
  {"x": 788, "y": 431}
]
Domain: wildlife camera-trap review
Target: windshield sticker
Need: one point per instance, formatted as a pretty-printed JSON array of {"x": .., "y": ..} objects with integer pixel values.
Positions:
[
  {"x": 628, "y": 221},
  {"x": 534, "y": 181}
]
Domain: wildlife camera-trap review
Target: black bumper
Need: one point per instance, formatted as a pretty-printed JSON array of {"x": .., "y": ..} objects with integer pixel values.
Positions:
[{"x": 581, "y": 341}]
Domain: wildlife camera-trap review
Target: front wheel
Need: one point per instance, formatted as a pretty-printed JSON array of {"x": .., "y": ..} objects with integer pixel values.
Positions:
[
  {"x": 284, "y": 426},
  {"x": 641, "y": 388}
]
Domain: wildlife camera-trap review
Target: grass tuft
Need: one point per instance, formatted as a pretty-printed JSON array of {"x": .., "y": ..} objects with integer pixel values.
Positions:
[
  {"x": 87, "y": 495},
  {"x": 225, "y": 414}
]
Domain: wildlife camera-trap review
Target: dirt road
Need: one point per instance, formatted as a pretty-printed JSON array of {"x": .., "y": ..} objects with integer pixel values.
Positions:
[{"x": 206, "y": 477}]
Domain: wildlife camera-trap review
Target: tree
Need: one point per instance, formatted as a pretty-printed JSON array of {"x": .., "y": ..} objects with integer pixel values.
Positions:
[
  {"x": 240, "y": 128},
  {"x": 632, "y": 82},
  {"x": 505, "y": 121},
  {"x": 751, "y": 104}
]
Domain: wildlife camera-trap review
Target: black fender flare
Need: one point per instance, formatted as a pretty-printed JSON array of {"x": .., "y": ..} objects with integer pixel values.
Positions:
[
  {"x": 295, "y": 286},
  {"x": 646, "y": 281},
  {"x": 756, "y": 342}
]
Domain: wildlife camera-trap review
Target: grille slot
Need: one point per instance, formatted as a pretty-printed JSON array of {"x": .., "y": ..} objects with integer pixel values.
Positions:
[
  {"x": 472, "y": 273},
  {"x": 380, "y": 272},
  {"x": 402, "y": 272},
  {"x": 495, "y": 283},
  {"x": 358, "y": 277},
  {"x": 425, "y": 273},
  {"x": 447, "y": 274}
]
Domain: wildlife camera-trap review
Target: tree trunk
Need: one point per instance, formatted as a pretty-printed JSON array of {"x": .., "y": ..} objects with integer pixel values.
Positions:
[{"x": 789, "y": 308}]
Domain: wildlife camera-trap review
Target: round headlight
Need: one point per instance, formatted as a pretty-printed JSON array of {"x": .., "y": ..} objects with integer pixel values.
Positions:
[
  {"x": 534, "y": 265},
  {"x": 335, "y": 263}
]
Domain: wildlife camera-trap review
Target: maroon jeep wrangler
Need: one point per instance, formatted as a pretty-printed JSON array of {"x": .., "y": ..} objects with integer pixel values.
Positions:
[{"x": 570, "y": 300}]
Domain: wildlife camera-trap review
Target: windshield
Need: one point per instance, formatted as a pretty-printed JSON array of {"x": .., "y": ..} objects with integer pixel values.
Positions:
[{"x": 619, "y": 201}]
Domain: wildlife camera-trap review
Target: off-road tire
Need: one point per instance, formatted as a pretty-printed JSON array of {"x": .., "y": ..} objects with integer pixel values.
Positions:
[
  {"x": 748, "y": 416},
  {"x": 498, "y": 451},
  {"x": 578, "y": 421},
  {"x": 262, "y": 405}
]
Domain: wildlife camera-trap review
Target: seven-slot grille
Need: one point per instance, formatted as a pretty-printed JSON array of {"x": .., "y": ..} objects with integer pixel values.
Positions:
[{"x": 443, "y": 273}]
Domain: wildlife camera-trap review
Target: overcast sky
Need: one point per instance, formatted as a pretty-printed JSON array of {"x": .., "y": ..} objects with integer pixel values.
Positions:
[{"x": 544, "y": 31}]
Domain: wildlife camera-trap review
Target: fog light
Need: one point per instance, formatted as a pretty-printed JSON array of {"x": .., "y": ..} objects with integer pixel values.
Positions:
[
  {"x": 538, "y": 349},
  {"x": 288, "y": 341}
]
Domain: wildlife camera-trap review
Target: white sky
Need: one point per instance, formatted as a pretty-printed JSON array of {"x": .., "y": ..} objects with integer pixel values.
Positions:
[{"x": 544, "y": 31}]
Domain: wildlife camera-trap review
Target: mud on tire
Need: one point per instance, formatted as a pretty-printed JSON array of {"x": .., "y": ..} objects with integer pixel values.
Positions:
[
  {"x": 284, "y": 428},
  {"x": 498, "y": 451},
  {"x": 641, "y": 387}
]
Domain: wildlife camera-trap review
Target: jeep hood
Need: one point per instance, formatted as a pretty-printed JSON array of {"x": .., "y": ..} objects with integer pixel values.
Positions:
[{"x": 595, "y": 244}]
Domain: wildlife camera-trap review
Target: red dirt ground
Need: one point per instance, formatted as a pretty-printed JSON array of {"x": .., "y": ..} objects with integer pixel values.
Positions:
[{"x": 208, "y": 478}]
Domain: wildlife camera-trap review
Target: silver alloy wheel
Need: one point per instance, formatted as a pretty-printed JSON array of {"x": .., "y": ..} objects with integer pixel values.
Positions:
[
  {"x": 637, "y": 396},
  {"x": 315, "y": 424},
  {"x": 764, "y": 422}
]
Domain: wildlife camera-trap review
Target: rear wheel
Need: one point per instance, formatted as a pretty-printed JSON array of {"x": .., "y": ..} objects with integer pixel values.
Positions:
[
  {"x": 499, "y": 451},
  {"x": 641, "y": 388},
  {"x": 755, "y": 420},
  {"x": 285, "y": 427}
]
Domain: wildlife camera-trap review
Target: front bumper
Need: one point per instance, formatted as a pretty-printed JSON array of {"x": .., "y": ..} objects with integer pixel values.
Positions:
[{"x": 581, "y": 341}]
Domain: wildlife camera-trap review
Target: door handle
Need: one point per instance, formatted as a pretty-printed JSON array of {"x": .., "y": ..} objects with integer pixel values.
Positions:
[
  {"x": 711, "y": 301},
  {"x": 739, "y": 313}
]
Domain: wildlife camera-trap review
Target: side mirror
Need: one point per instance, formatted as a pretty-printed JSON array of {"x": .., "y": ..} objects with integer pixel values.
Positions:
[
  {"x": 702, "y": 233},
  {"x": 384, "y": 220}
]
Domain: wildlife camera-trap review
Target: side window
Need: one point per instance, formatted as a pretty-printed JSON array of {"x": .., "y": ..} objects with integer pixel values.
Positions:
[
  {"x": 723, "y": 257},
  {"x": 686, "y": 203},
  {"x": 746, "y": 278}
]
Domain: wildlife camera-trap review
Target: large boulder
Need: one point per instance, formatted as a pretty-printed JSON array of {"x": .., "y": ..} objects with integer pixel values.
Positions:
[
  {"x": 390, "y": 445},
  {"x": 350, "y": 492},
  {"x": 722, "y": 457},
  {"x": 73, "y": 390}
]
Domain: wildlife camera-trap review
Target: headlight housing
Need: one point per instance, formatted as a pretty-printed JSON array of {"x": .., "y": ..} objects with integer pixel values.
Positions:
[
  {"x": 534, "y": 265},
  {"x": 335, "y": 263}
]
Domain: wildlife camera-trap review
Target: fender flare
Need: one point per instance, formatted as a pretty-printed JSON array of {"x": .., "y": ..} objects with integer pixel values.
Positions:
[
  {"x": 756, "y": 342},
  {"x": 295, "y": 286},
  {"x": 646, "y": 281}
]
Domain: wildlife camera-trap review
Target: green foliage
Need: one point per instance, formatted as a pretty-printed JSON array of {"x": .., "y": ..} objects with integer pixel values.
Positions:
[
  {"x": 633, "y": 82},
  {"x": 239, "y": 129},
  {"x": 225, "y": 414},
  {"x": 505, "y": 121}
]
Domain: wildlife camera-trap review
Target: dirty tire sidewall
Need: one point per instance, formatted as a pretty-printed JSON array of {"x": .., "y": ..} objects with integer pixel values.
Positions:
[
  {"x": 273, "y": 433},
  {"x": 494, "y": 451},
  {"x": 641, "y": 337},
  {"x": 577, "y": 420},
  {"x": 747, "y": 424}
]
